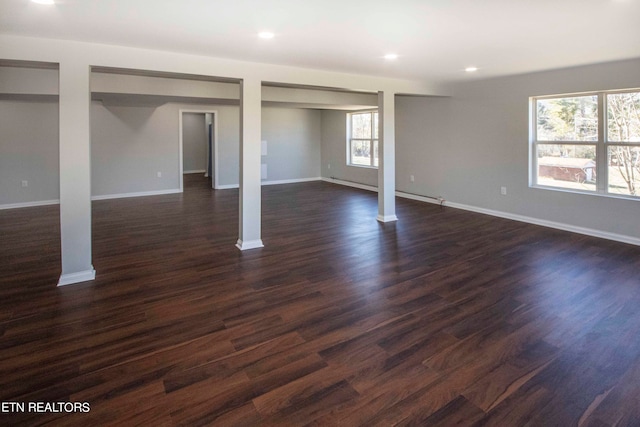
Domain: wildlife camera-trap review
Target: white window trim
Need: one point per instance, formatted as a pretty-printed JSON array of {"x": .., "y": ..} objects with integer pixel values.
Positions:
[
  {"x": 602, "y": 182},
  {"x": 373, "y": 141}
]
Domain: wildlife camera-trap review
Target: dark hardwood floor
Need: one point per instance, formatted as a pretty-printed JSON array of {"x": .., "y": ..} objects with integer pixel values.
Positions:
[{"x": 443, "y": 318}]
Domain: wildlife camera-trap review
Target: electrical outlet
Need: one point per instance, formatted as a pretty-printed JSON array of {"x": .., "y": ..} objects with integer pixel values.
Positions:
[
  {"x": 159, "y": 174},
  {"x": 25, "y": 184},
  {"x": 503, "y": 191},
  {"x": 412, "y": 178},
  {"x": 329, "y": 166}
]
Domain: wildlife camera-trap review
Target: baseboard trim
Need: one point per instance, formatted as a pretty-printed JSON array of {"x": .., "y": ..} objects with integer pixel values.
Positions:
[
  {"x": 351, "y": 184},
  {"x": 252, "y": 244},
  {"x": 550, "y": 224},
  {"x": 81, "y": 276},
  {"x": 387, "y": 218},
  {"x": 291, "y": 181},
  {"x": 137, "y": 194},
  {"x": 418, "y": 198},
  {"x": 194, "y": 171},
  {"x": 515, "y": 217},
  {"x": 29, "y": 204},
  {"x": 278, "y": 182}
]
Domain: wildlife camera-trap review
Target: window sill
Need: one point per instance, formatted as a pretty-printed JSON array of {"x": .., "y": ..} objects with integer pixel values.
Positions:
[{"x": 363, "y": 166}]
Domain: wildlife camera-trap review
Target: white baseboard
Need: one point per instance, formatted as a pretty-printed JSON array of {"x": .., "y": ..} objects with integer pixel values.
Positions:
[
  {"x": 194, "y": 171},
  {"x": 419, "y": 198},
  {"x": 351, "y": 184},
  {"x": 29, "y": 204},
  {"x": 387, "y": 218},
  {"x": 530, "y": 220},
  {"x": 290, "y": 181},
  {"x": 137, "y": 194},
  {"x": 551, "y": 224},
  {"x": 81, "y": 276},
  {"x": 278, "y": 182},
  {"x": 252, "y": 244},
  {"x": 103, "y": 197}
]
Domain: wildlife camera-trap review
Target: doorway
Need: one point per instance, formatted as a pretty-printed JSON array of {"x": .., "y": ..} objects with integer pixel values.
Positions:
[{"x": 198, "y": 131}]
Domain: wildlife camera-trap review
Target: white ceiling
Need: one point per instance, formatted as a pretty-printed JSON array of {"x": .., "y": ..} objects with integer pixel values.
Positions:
[{"x": 435, "y": 39}]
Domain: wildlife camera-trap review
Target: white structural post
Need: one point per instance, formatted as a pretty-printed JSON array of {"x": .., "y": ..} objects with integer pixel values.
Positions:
[
  {"x": 250, "y": 158},
  {"x": 386, "y": 157},
  {"x": 75, "y": 172}
]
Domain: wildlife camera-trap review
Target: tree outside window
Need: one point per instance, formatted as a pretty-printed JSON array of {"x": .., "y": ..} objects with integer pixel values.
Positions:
[
  {"x": 362, "y": 139},
  {"x": 588, "y": 142}
]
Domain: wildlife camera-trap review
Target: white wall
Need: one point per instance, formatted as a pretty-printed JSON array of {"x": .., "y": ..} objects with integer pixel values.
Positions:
[
  {"x": 195, "y": 138},
  {"x": 293, "y": 140},
  {"x": 28, "y": 151}
]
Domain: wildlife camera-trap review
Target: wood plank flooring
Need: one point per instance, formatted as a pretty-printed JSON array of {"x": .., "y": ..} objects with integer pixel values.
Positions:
[{"x": 443, "y": 318}]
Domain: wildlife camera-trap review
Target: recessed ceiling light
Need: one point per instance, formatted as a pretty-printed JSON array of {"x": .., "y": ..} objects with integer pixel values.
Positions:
[
  {"x": 43, "y": 1},
  {"x": 471, "y": 69},
  {"x": 391, "y": 56},
  {"x": 266, "y": 35}
]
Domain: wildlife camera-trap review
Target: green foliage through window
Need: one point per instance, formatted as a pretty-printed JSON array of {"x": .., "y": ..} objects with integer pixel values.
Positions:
[
  {"x": 570, "y": 151},
  {"x": 363, "y": 139}
]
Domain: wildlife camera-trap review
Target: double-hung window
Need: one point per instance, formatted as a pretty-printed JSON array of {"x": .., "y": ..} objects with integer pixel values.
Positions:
[
  {"x": 362, "y": 139},
  {"x": 587, "y": 142}
]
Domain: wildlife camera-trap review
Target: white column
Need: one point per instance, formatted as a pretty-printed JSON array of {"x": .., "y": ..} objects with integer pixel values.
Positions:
[
  {"x": 386, "y": 157},
  {"x": 75, "y": 173},
  {"x": 250, "y": 131}
]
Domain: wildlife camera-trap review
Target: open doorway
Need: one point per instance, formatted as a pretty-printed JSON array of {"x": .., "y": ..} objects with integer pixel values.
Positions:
[{"x": 198, "y": 145}]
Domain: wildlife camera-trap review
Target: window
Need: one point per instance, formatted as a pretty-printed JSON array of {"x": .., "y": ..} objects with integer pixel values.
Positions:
[
  {"x": 362, "y": 139},
  {"x": 587, "y": 142}
]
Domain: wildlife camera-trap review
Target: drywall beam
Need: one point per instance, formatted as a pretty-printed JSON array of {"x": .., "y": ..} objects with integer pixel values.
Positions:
[
  {"x": 75, "y": 172},
  {"x": 386, "y": 157},
  {"x": 250, "y": 159}
]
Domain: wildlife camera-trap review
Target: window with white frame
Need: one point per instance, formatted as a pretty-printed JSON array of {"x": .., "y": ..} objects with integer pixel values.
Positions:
[
  {"x": 362, "y": 139},
  {"x": 587, "y": 142}
]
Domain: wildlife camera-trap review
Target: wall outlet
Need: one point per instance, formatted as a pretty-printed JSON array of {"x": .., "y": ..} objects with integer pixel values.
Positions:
[
  {"x": 159, "y": 174},
  {"x": 412, "y": 178},
  {"x": 329, "y": 166},
  {"x": 503, "y": 191},
  {"x": 25, "y": 184}
]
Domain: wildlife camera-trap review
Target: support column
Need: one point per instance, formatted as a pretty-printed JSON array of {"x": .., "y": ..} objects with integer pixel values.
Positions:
[
  {"x": 250, "y": 158},
  {"x": 386, "y": 157},
  {"x": 75, "y": 173}
]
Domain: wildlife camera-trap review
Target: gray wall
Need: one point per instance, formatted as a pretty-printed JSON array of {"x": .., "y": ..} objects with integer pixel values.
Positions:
[
  {"x": 489, "y": 148},
  {"x": 228, "y": 145},
  {"x": 21, "y": 80},
  {"x": 334, "y": 151},
  {"x": 130, "y": 144},
  {"x": 194, "y": 142},
  {"x": 293, "y": 143},
  {"x": 29, "y": 151},
  {"x": 466, "y": 147},
  {"x": 422, "y": 146}
]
